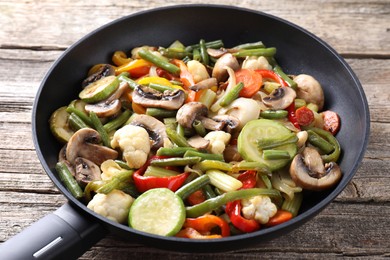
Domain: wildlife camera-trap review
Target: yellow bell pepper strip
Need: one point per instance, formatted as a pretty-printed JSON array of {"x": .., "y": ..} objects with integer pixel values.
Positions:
[
  {"x": 205, "y": 225},
  {"x": 120, "y": 58},
  {"x": 155, "y": 80},
  {"x": 136, "y": 68},
  {"x": 144, "y": 183}
]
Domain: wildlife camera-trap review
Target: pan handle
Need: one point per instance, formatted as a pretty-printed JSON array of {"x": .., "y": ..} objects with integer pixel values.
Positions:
[{"x": 63, "y": 234}]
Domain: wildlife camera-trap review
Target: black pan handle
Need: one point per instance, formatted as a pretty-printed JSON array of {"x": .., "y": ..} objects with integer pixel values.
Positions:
[{"x": 63, "y": 234}]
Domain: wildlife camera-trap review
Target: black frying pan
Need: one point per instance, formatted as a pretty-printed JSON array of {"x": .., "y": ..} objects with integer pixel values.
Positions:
[{"x": 72, "y": 229}]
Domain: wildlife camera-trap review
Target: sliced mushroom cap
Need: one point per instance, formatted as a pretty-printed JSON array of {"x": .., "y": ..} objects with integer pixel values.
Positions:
[
  {"x": 104, "y": 71},
  {"x": 149, "y": 97},
  {"x": 198, "y": 142},
  {"x": 280, "y": 98},
  {"x": 230, "y": 122},
  {"x": 86, "y": 143},
  {"x": 309, "y": 89},
  {"x": 308, "y": 174},
  {"x": 104, "y": 108},
  {"x": 187, "y": 114},
  {"x": 219, "y": 71},
  {"x": 211, "y": 124},
  {"x": 216, "y": 53},
  {"x": 154, "y": 127},
  {"x": 62, "y": 154},
  {"x": 86, "y": 171},
  {"x": 231, "y": 154}
]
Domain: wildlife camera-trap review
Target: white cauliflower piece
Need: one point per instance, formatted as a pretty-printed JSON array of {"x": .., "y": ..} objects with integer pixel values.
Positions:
[
  {"x": 256, "y": 63},
  {"x": 134, "y": 143},
  {"x": 114, "y": 205},
  {"x": 110, "y": 169},
  {"x": 218, "y": 141},
  {"x": 259, "y": 208},
  {"x": 197, "y": 70}
]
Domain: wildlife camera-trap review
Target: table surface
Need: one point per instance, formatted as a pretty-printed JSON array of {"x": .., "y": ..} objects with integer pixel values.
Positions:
[{"x": 34, "y": 33}]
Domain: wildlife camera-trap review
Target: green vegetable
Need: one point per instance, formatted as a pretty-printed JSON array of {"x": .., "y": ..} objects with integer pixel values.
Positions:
[
  {"x": 160, "y": 112},
  {"x": 214, "y": 165},
  {"x": 267, "y": 52},
  {"x": 174, "y": 151},
  {"x": 196, "y": 184},
  {"x": 115, "y": 182},
  {"x": 319, "y": 142},
  {"x": 204, "y": 156},
  {"x": 223, "y": 181},
  {"x": 158, "y": 61},
  {"x": 157, "y": 211},
  {"x": 215, "y": 203},
  {"x": 274, "y": 114},
  {"x": 68, "y": 180},
  {"x": 291, "y": 83},
  {"x": 123, "y": 78},
  {"x": 160, "y": 87},
  {"x": 59, "y": 125},
  {"x": 275, "y": 154},
  {"x": 294, "y": 204},
  {"x": 175, "y": 161},
  {"x": 203, "y": 52},
  {"x": 118, "y": 121},
  {"x": 250, "y": 45},
  {"x": 334, "y": 156},
  {"x": 159, "y": 172},
  {"x": 199, "y": 128},
  {"x": 76, "y": 122},
  {"x": 99, "y": 90},
  {"x": 257, "y": 132},
  {"x": 230, "y": 96},
  {"x": 178, "y": 139},
  {"x": 99, "y": 127}
]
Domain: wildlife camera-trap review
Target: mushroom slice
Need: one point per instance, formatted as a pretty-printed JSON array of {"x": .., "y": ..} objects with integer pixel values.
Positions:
[
  {"x": 187, "y": 114},
  {"x": 86, "y": 143},
  {"x": 309, "y": 89},
  {"x": 62, "y": 154},
  {"x": 308, "y": 174},
  {"x": 280, "y": 98},
  {"x": 104, "y": 71},
  {"x": 219, "y": 71},
  {"x": 154, "y": 127},
  {"x": 204, "y": 84},
  {"x": 211, "y": 124},
  {"x": 230, "y": 122},
  {"x": 216, "y": 53},
  {"x": 86, "y": 171},
  {"x": 149, "y": 97},
  {"x": 198, "y": 142},
  {"x": 104, "y": 108}
]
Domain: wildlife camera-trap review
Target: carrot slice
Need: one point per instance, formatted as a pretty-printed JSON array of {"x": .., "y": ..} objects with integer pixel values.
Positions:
[{"x": 252, "y": 82}]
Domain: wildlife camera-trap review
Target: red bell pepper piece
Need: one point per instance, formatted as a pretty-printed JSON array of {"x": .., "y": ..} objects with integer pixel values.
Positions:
[
  {"x": 269, "y": 74},
  {"x": 292, "y": 117},
  {"x": 205, "y": 224},
  {"x": 196, "y": 197},
  {"x": 233, "y": 209},
  {"x": 144, "y": 183}
]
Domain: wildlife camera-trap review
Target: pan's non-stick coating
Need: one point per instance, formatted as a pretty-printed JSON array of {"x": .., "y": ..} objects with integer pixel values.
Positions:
[{"x": 297, "y": 52}]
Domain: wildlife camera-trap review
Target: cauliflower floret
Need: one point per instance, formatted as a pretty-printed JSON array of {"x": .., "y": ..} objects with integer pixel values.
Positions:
[
  {"x": 218, "y": 141},
  {"x": 135, "y": 144},
  {"x": 197, "y": 70},
  {"x": 110, "y": 169},
  {"x": 114, "y": 205},
  {"x": 256, "y": 63},
  {"x": 259, "y": 208}
]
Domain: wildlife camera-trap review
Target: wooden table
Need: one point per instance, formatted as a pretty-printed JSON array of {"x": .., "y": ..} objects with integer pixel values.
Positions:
[{"x": 34, "y": 33}]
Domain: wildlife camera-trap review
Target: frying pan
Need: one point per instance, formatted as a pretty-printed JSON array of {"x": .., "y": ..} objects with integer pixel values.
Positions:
[{"x": 72, "y": 229}]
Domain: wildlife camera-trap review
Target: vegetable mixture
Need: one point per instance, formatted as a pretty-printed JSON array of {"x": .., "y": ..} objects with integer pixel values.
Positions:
[{"x": 197, "y": 141}]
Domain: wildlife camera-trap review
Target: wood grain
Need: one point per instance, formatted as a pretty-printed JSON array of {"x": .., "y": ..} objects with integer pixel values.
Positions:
[{"x": 34, "y": 33}]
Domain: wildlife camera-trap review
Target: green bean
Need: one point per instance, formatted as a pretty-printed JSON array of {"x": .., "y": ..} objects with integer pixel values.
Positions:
[
  {"x": 158, "y": 61},
  {"x": 230, "y": 96},
  {"x": 199, "y": 128},
  {"x": 334, "y": 156},
  {"x": 115, "y": 182},
  {"x": 214, "y": 203},
  {"x": 276, "y": 154},
  {"x": 196, "y": 55},
  {"x": 179, "y": 140},
  {"x": 123, "y": 164},
  {"x": 176, "y": 82},
  {"x": 159, "y": 172},
  {"x": 92, "y": 186},
  {"x": 129, "y": 188},
  {"x": 99, "y": 127},
  {"x": 208, "y": 191},
  {"x": 319, "y": 142},
  {"x": 214, "y": 165},
  {"x": 203, "y": 52},
  {"x": 269, "y": 143},
  {"x": 160, "y": 87},
  {"x": 160, "y": 112},
  {"x": 175, "y": 161},
  {"x": 174, "y": 151},
  {"x": 293, "y": 205},
  {"x": 196, "y": 184},
  {"x": 118, "y": 121},
  {"x": 255, "y": 52},
  {"x": 299, "y": 103},
  {"x": 68, "y": 180},
  {"x": 170, "y": 122},
  {"x": 244, "y": 166},
  {"x": 174, "y": 53},
  {"x": 274, "y": 114},
  {"x": 204, "y": 156},
  {"x": 213, "y": 44},
  {"x": 123, "y": 78},
  {"x": 250, "y": 45},
  {"x": 180, "y": 130},
  {"x": 76, "y": 122},
  {"x": 266, "y": 181},
  {"x": 278, "y": 70},
  {"x": 79, "y": 113}
]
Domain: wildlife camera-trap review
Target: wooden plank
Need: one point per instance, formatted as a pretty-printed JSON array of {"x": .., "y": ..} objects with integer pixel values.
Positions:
[{"x": 354, "y": 27}]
